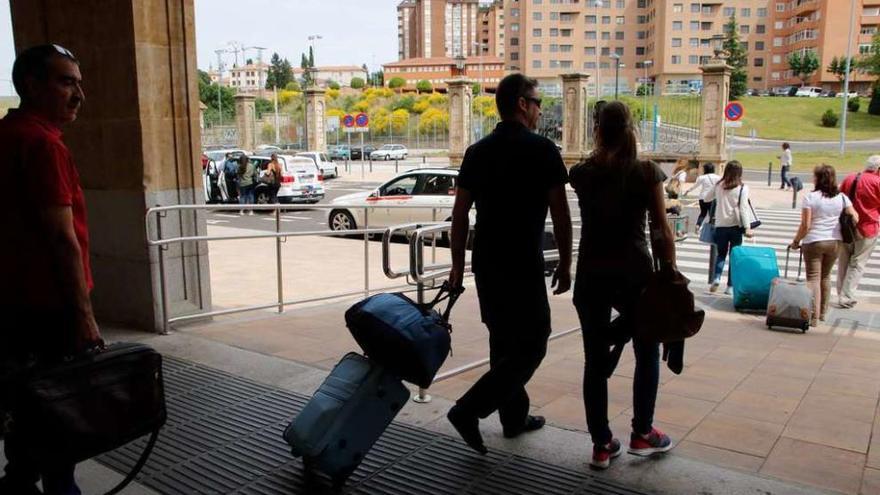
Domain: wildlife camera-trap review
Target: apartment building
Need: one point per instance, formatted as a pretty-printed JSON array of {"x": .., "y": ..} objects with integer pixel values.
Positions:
[
  {"x": 492, "y": 29},
  {"x": 821, "y": 26},
  {"x": 438, "y": 28},
  {"x": 341, "y": 74},
  {"x": 486, "y": 70},
  {"x": 665, "y": 41},
  {"x": 249, "y": 78}
]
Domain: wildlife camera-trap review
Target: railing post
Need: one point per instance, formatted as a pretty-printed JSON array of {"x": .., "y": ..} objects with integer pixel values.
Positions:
[
  {"x": 422, "y": 397},
  {"x": 769, "y": 173},
  {"x": 366, "y": 253},
  {"x": 278, "y": 275},
  {"x": 163, "y": 294},
  {"x": 395, "y": 166}
]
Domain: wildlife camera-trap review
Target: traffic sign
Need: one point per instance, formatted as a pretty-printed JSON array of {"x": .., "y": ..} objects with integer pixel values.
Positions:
[
  {"x": 348, "y": 120},
  {"x": 361, "y": 120},
  {"x": 734, "y": 111},
  {"x": 350, "y": 130},
  {"x": 733, "y": 123}
]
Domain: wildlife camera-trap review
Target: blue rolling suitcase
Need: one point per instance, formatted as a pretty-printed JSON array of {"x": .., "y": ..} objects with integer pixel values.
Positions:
[
  {"x": 753, "y": 269},
  {"x": 345, "y": 417}
]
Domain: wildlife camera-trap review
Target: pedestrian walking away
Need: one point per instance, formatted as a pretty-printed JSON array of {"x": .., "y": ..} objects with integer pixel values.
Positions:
[
  {"x": 819, "y": 233},
  {"x": 247, "y": 181},
  {"x": 230, "y": 169},
  {"x": 47, "y": 279},
  {"x": 273, "y": 178},
  {"x": 705, "y": 183},
  {"x": 510, "y": 276},
  {"x": 615, "y": 193},
  {"x": 863, "y": 189},
  {"x": 785, "y": 162},
  {"x": 732, "y": 218}
]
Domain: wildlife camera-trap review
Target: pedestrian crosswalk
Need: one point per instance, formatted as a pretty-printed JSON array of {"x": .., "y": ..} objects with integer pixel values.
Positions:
[{"x": 777, "y": 230}]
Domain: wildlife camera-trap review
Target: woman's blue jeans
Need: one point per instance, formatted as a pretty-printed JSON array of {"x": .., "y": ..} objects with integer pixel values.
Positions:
[{"x": 725, "y": 239}]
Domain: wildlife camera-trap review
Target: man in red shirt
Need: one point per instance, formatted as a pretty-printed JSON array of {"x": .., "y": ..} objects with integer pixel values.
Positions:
[
  {"x": 45, "y": 277},
  {"x": 854, "y": 257}
]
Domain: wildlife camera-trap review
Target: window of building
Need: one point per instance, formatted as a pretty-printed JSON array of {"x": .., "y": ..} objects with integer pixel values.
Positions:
[
  {"x": 869, "y": 30},
  {"x": 707, "y": 9},
  {"x": 514, "y": 12},
  {"x": 554, "y": 64},
  {"x": 871, "y": 11},
  {"x": 706, "y": 26},
  {"x": 780, "y": 7},
  {"x": 744, "y": 29},
  {"x": 745, "y": 12},
  {"x": 676, "y": 60},
  {"x": 677, "y": 7},
  {"x": 536, "y": 48},
  {"x": 762, "y": 12},
  {"x": 606, "y": 35},
  {"x": 554, "y": 32},
  {"x": 554, "y": 16},
  {"x": 514, "y": 56},
  {"x": 514, "y": 27},
  {"x": 758, "y": 62},
  {"x": 775, "y": 76},
  {"x": 729, "y": 11},
  {"x": 640, "y": 35},
  {"x": 760, "y": 29},
  {"x": 604, "y": 65},
  {"x": 641, "y": 4},
  {"x": 590, "y": 35},
  {"x": 619, "y": 35},
  {"x": 620, "y": 4},
  {"x": 642, "y": 19},
  {"x": 640, "y": 50},
  {"x": 565, "y": 33},
  {"x": 694, "y": 25},
  {"x": 778, "y": 25},
  {"x": 864, "y": 49},
  {"x": 565, "y": 48},
  {"x": 694, "y": 42},
  {"x": 554, "y": 48},
  {"x": 591, "y": 19},
  {"x": 606, "y": 19},
  {"x": 565, "y": 64},
  {"x": 514, "y": 41},
  {"x": 619, "y": 51},
  {"x": 777, "y": 59},
  {"x": 589, "y": 65},
  {"x": 619, "y": 20},
  {"x": 777, "y": 42},
  {"x": 676, "y": 42},
  {"x": 566, "y": 16},
  {"x": 537, "y": 16},
  {"x": 536, "y": 32},
  {"x": 676, "y": 25},
  {"x": 695, "y": 8},
  {"x": 606, "y": 51},
  {"x": 589, "y": 50},
  {"x": 693, "y": 59},
  {"x": 759, "y": 46},
  {"x": 536, "y": 64}
]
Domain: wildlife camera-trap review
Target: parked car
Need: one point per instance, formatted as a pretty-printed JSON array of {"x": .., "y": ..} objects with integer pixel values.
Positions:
[
  {"x": 267, "y": 149},
  {"x": 809, "y": 92},
  {"x": 339, "y": 152},
  {"x": 781, "y": 90},
  {"x": 753, "y": 92},
  {"x": 301, "y": 180},
  {"x": 324, "y": 163},
  {"x": 426, "y": 188},
  {"x": 852, "y": 94},
  {"x": 359, "y": 153},
  {"x": 220, "y": 155},
  {"x": 390, "y": 152}
]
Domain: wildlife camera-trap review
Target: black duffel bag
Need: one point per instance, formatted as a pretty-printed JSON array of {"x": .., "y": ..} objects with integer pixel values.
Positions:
[{"x": 90, "y": 404}]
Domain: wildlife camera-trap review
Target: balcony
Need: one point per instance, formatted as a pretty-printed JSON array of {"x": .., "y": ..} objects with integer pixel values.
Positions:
[{"x": 805, "y": 6}]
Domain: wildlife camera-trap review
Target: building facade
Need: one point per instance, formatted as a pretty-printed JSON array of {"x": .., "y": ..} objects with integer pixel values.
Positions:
[
  {"x": 342, "y": 74},
  {"x": 664, "y": 42},
  {"x": 249, "y": 78},
  {"x": 437, "y": 70},
  {"x": 438, "y": 28}
]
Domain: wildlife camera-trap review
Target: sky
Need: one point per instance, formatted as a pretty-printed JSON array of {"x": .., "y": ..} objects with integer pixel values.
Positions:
[{"x": 354, "y": 32}]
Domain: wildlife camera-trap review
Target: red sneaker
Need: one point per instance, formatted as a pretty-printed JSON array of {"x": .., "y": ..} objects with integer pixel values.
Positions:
[
  {"x": 602, "y": 454},
  {"x": 654, "y": 442}
]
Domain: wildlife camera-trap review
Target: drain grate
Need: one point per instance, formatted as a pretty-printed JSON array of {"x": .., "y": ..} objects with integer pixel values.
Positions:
[{"x": 224, "y": 436}]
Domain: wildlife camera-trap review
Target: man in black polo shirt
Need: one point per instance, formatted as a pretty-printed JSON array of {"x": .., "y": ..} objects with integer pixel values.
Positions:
[{"x": 513, "y": 175}]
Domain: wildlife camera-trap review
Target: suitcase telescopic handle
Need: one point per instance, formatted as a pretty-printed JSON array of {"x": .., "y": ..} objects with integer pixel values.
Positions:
[{"x": 800, "y": 259}]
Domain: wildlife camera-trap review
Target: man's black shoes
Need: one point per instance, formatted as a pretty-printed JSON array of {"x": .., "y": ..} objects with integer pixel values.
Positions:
[
  {"x": 532, "y": 423},
  {"x": 469, "y": 429}
]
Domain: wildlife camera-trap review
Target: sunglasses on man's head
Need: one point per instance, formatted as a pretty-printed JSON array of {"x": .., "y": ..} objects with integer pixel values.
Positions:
[
  {"x": 536, "y": 101},
  {"x": 63, "y": 51}
]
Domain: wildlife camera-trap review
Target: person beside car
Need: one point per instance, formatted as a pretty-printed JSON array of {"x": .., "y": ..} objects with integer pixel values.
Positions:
[
  {"x": 247, "y": 182},
  {"x": 230, "y": 172},
  {"x": 272, "y": 177}
]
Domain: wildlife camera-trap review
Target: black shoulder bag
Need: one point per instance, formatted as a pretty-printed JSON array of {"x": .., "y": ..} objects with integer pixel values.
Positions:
[{"x": 848, "y": 230}]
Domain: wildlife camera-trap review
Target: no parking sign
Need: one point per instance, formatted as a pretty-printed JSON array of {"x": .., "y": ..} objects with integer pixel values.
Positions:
[{"x": 734, "y": 111}]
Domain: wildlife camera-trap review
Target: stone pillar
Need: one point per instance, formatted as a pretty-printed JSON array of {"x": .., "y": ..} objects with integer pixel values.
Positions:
[
  {"x": 460, "y": 99},
  {"x": 716, "y": 88},
  {"x": 574, "y": 117},
  {"x": 315, "y": 117},
  {"x": 245, "y": 114},
  {"x": 136, "y": 144}
]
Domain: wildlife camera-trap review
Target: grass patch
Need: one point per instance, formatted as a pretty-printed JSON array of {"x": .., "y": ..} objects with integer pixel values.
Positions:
[
  {"x": 805, "y": 161},
  {"x": 799, "y": 119}
]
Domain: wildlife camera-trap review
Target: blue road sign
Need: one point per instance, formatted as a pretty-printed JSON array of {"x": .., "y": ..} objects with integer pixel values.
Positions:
[
  {"x": 348, "y": 120},
  {"x": 734, "y": 111},
  {"x": 362, "y": 120}
]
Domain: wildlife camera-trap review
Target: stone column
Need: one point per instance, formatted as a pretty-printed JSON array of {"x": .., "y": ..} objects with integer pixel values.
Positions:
[
  {"x": 574, "y": 117},
  {"x": 716, "y": 88},
  {"x": 136, "y": 144},
  {"x": 245, "y": 114},
  {"x": 460, "y": 99},
  {"x": 315, "y": 114}
]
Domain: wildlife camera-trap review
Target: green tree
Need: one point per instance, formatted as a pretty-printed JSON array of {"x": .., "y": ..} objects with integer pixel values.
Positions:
[
  {"x": 396, "y": 83},
  {"x": 803, "y": 66},
  {"x": 262, "y": 105},
  {"x": 293, "y": 86},
  {"x": 311, "y": 57},
  {"x": 280, "y": 74},
  {"x": 869, "y": 63},
  {"x": 407, "y": 103},
  {"x": 736, "y": 58},
  {"x": 333, "y": 85},
  {"x": 378, "y": 78},
  {"x": 208, "y": 95},
  {"x": 204, "y": 78},
  {"x": 357, "y": 83},
  {"x": 476, "y": 88},
  {"x": 424, "y": 86}
]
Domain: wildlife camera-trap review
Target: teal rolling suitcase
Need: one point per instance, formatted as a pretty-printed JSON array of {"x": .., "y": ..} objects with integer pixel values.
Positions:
[{"x": 753, "y": 269}]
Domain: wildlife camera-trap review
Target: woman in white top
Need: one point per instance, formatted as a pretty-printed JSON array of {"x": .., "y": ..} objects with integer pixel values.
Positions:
[
  {"x": 732, "y": 218},
  {"x": 785, "y": 165},
  {"x": 819, "y": 233},
  {"x": 705, "y": 183}
]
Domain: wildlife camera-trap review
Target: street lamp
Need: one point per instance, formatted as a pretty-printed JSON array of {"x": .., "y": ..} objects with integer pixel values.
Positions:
[
  {"x": 645, "y": 64},
  {"x": 718, "y": 46},
  {"x": 313, "y": 42},
  {"x": 459, "y": 64},
  {"x": 597, "y": 4},
  {"x": 846, "y": 80},
  {"x": 617, "y": 66}
]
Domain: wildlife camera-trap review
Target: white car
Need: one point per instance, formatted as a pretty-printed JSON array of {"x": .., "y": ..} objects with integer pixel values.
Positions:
[
  {"x": 419, "y": 188},
  {"x": 809, "y": 91},
  {"x": 390, "y": 152},
  {"x": 852, "y": 94},
  {"x": 325, "y": 164},
  {"x": 301, "y": 181}
]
